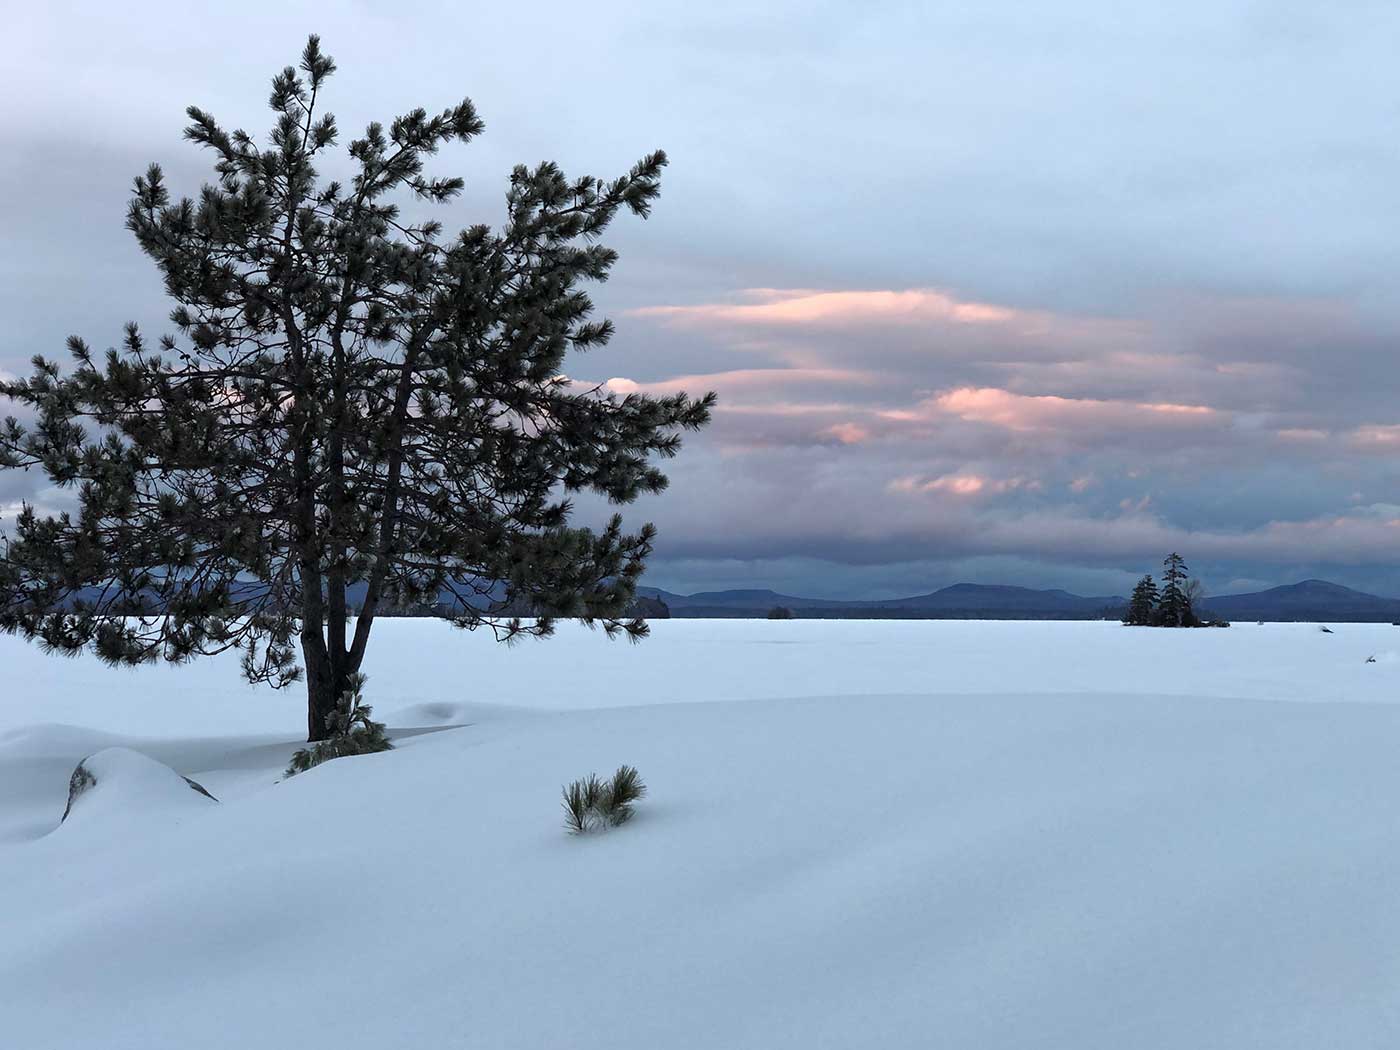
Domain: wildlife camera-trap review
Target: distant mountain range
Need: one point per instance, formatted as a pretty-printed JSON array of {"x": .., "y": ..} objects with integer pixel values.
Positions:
[
  {"x": 1311, "y": 600},
  {"x": 1306, "y": 601}
]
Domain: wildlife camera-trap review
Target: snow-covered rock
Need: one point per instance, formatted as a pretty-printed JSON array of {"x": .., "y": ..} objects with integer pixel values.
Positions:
[{"x": 118, "y": 780}]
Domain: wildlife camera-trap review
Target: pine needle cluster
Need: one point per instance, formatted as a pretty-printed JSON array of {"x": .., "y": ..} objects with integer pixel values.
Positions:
[
  {"x": 350, "y": 731},
  {"x": 592, "y": 804}
]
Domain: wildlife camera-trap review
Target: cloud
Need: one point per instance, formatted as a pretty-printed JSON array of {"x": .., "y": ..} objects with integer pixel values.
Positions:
[
  {"x": 808, "y": 325},
  {"x": 1091, "y": 275},
  {"x": 849, "y": 433},
  {"x": 963, "y": 484},
  {"x": 747, "y": 383},
  {"x": 1381, "y": 437},
  {"x": 1050, "y": 412},
  {"x": 959, "y": 523},
  {"x": 1116, "y": 432},
  {"x": 802, "y": 307}
]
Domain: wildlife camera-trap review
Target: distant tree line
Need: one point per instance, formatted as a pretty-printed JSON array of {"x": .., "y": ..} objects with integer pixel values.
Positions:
[{"x": 1175, "y": 604}]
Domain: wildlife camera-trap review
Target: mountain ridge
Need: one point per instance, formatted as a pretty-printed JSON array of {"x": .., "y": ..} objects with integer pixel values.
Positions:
[{"x": 1307, "y": 600}]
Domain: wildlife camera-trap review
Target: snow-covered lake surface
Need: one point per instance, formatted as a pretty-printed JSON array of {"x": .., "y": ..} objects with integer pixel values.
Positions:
[{"x": 858, "y": 834}]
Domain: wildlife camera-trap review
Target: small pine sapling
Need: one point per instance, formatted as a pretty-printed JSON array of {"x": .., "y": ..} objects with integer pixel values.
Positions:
[
  {"x": 592, "y": 804},
  {"x": 349, "y": 731}
]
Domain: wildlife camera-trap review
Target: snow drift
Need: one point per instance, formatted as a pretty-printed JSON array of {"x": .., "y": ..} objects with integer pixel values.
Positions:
[{"x": 120, "y": 783}]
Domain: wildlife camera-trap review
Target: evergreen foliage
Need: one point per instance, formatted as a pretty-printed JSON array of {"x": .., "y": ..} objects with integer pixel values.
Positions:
[
  {"x": 349, "y": 731},
  {"x": 780, "y": 612},
  {"x": 351, "y": 398},
  {"x": 1174, "y": 604},
  {"x": 591, "y": 804},
  {"x": 1142, "y": 606}
]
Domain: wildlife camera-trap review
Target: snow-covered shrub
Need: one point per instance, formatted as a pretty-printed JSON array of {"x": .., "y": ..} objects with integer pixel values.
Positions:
[
  {"x": 592, "y": 804},
  {"x": 352, "y": 732}
]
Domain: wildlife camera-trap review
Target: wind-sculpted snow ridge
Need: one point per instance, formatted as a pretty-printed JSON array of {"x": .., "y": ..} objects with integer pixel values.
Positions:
[{"x": 1044, "y": 866}]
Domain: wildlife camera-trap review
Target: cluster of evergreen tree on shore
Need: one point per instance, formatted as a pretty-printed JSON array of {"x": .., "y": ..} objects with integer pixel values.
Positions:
[{"x": 1174, "y": 604}]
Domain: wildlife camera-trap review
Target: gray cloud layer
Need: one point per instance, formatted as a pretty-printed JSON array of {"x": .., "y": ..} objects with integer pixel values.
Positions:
[{"x": 989, "y": 289}]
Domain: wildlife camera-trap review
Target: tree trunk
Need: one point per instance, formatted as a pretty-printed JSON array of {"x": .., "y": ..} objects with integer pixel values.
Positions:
[
  {"x": 324, "y": 685},
  {"x": 320, "y": 702}
]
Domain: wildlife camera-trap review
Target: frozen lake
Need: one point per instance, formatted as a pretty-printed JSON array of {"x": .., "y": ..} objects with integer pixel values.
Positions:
[{"x": 416, "y": 661}]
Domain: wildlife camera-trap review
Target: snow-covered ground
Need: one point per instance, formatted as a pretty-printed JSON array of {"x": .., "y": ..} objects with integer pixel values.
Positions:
[{"x": 858, "y": 834}]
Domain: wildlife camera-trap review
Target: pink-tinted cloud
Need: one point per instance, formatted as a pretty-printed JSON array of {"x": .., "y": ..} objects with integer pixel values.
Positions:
[
  {"x": 1158, "y": 375},
  {"x": 1381, "y": 437},
  {"x": 964, "y": 484},
  {"x": 795, "y": 306},
  {"x": 910, "y": 321},
  {"x": 849, "y": 433},
  {"x": 1014, "y": 431},
  {"x": 1049, "y": 412}
]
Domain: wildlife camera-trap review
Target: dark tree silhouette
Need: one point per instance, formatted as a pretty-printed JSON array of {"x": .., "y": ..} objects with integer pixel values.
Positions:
[
  {"x": 1174, "y": 605},
  {"x": 1142, "y": 605}
]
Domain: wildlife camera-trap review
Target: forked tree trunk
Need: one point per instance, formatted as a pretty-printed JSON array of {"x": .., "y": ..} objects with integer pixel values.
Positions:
[{"x": 327, "y": 677}]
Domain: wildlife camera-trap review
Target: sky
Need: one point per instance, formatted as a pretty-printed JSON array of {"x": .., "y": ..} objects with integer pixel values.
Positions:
[{"x": 993, "y": 291}]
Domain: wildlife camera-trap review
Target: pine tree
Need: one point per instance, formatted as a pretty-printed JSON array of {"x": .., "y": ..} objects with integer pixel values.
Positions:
[
  {"x": 1174, "y": 605},
  {"x": 1143, "y": 603},
  {"x": 353, "y": 404}
]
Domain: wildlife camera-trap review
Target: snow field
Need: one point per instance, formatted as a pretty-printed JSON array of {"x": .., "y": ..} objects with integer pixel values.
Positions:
[{"x": 857, "y": 834}]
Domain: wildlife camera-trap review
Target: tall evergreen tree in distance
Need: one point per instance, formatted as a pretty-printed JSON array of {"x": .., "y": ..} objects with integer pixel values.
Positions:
[
  {"x": 1142, "y": 606},
  {"x": 1174, "y": 605},
  {"x": 352, "y": 399}
]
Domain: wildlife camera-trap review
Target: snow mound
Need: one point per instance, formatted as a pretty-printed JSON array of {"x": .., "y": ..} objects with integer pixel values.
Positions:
[
  {"x": 117, "y": 782},
  {"x": 435, "y": 713},
  {"x": 54, "y": 738}
]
